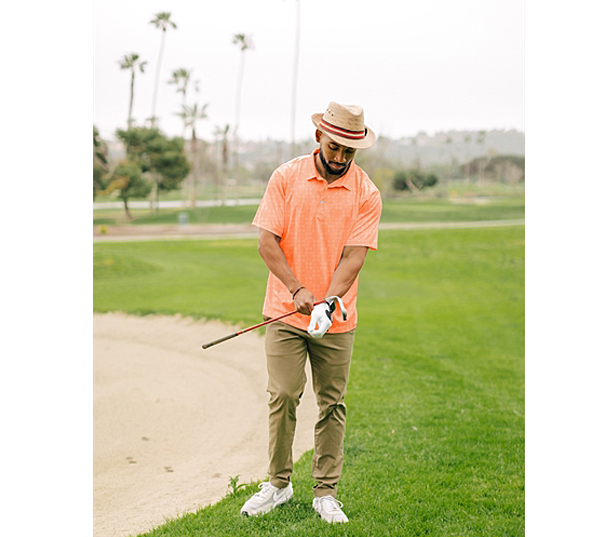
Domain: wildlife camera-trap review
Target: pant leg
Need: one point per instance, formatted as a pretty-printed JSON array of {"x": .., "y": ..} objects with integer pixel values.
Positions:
[
  {"x": 330, "y": 360},
  {"x": 286, "y": 362}
]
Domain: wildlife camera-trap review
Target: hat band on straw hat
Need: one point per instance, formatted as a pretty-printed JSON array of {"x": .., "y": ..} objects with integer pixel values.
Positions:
[
  {"x": 339, "y": 131},
  {"x": 345, "y": 125}
]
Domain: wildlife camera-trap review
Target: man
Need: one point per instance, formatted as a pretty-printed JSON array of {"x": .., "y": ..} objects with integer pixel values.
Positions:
[{"x": 317, "y": 219}]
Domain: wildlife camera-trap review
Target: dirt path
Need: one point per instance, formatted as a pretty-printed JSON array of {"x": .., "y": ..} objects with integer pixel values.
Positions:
[
  {"x": 232, "y": 231},
  {"x": 172, "y": 423}
]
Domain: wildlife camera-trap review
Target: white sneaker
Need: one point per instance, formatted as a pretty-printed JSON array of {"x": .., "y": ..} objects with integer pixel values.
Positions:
[
  {"x": 330, "y": 509},
  {"x": 266, "y": 499}
]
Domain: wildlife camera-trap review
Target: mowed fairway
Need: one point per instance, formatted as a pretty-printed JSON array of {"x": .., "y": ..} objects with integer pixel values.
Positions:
[
  {"x": 394, "y": 210},
  {"x": 435, "y": 431}
]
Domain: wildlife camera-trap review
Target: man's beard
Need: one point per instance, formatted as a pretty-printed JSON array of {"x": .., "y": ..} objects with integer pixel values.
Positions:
[{"x": 330, "y": 170}]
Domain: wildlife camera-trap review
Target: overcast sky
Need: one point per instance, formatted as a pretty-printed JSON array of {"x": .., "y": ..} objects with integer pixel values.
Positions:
[{"x": 413, "y": 66}]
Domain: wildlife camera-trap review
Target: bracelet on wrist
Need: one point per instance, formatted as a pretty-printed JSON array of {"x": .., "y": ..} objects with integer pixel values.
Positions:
[{"x": 298, "y": 290}]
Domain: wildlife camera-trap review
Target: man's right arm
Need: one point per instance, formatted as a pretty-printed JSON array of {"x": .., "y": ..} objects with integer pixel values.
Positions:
[{"x": 272, "y": 254}]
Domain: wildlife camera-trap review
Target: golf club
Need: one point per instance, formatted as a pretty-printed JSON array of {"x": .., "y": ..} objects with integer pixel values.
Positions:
[{"x": 231, "y": 336}]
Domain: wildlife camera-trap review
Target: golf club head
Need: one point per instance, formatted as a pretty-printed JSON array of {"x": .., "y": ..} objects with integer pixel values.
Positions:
[{"x": 331, "y": 300}]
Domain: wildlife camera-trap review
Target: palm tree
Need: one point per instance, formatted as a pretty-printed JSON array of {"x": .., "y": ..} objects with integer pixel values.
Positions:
[
  {"x": 161, "y": 20},
  {"x": 417, "y": 162},
  {"x": 245, "y": 43},
  {"x": 222, "y": 133},
  {"x": 467, "y": 140},
  {"x": 448, "y": 142},
  {"x": 481, "y": 140},
  {"x": 190, "y": 115},
  {"x": 294, "y": 84},
  {"x": 129, "y": 62},
  {"x": 180, "y": 77}
]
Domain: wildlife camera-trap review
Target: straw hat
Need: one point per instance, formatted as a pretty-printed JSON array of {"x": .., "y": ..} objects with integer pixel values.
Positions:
[{"x": 345, "y": 125}]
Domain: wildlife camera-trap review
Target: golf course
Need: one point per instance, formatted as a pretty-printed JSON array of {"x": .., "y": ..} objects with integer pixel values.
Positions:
[{"x": 434, "y": 443}]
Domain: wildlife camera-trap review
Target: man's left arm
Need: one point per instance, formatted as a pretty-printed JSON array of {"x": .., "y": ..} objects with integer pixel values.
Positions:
[
  {"x": 348, "y": 268},
  {"x": 363, "y": 236}
]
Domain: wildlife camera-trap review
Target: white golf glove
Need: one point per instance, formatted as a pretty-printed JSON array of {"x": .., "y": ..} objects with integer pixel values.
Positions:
[{"x": 321, "y": 316}]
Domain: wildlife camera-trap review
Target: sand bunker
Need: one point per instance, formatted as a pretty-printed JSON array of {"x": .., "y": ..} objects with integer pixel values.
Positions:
[{"x": 172, "y": 422}]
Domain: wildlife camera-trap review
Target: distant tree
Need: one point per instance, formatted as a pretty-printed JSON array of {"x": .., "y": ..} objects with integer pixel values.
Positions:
[
  {"x": 413, "y": 180},
  {"x": 180, "y": 78},
  {"x": 222, "y": 133},
  {"x": 506, "y": 168},
  {"x": 130, "y": 62},
  {"x": 162, "y": 21},
  {"x": 159, "y": 158},
  {"x": 467, "y": 140},
  {"x": 245, "y": 43},
  {"x": 295, "y": 73},
  {"x": 429, "y": 180},
  {"x": 100, "y": 157},
  {"x": 416, "y": 151},
  {"x": 190, "y": 115},
  {"x": 128, "y": 180},
  {"x": 449, "y": 142},
  {"x": 481, "y": 138}
]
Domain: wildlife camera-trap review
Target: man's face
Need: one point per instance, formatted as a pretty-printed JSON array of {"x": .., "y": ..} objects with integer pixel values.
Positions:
[{"x": 335, "y": 158}]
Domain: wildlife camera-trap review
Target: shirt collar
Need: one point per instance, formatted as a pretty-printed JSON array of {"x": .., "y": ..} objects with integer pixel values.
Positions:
[{"x": 344, "y": 181}]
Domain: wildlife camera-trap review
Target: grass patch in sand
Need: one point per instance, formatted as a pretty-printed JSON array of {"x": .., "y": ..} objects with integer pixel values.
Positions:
[{"x": 435, "y": 431}]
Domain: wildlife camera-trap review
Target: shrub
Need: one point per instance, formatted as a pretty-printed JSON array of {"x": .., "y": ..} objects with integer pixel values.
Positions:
[{"x": 413, "y": 179}]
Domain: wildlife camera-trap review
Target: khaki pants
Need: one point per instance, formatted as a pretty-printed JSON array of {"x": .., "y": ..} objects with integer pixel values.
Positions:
[{"x": 330, "y": 361}]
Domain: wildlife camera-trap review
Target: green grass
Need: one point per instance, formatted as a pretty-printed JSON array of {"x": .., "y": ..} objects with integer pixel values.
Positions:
[
  {"x": 435, "y": 431},
  {"x": 254, "y": 189},
  {"x": 431, "y": 210},
  {"x": 203, "y": 279},
  {"x": 394, "y": 210},
  {"x": 201, "y": 215}
]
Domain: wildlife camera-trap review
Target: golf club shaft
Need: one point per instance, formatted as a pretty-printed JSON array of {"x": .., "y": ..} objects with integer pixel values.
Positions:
[{"x": 231, "y": 336}]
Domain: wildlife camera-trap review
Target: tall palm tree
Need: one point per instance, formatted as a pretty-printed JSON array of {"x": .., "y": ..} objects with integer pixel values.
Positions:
[
  {"x": 162, "y": 21},
  {"x": 222, "y": 133},
  {"x": 294, "y": 81},
  {"x": 190, "y": 115},
  {"x": 180, "y": 78},
  {"x": 130, "y": 62},
  {"x": 245, "y": 43},
  {"x": 294, "y": 84}
]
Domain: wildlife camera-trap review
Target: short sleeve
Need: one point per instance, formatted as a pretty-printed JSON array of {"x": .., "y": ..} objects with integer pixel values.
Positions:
[
  {"x": 365, "y": 231},
  {"x": 270, "y": 214}
]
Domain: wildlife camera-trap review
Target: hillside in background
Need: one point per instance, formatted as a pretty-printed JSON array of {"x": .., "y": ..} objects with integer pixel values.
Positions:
[
  {"x": 496, "y": 155},
  {"x": 459, "y": 147},
  {"x": 452, "y": 149}
]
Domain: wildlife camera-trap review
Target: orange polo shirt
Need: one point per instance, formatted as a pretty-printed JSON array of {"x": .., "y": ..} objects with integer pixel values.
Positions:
[{"x": 315, "y": 221}]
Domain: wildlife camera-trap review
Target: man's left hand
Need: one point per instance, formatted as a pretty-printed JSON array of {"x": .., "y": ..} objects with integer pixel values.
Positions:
[{"x": 321, "y": 315}]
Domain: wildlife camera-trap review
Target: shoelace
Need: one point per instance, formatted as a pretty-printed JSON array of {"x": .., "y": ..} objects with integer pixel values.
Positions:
[
  {"x": 265, "y": 488},
  {"x": 332, "y": 504}
]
